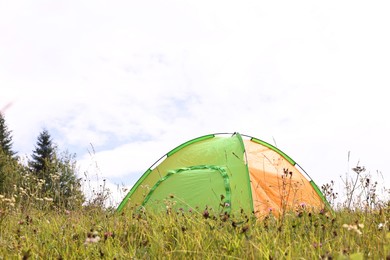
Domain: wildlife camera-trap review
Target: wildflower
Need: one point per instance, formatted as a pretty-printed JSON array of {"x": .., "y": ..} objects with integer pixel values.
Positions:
[
  {"x": 227, "y": 204},
  {"x": 245, "y": 228},
  {"x": 225, "y": 217},
  {"x": 206, "y": 213},
  {"x": 359, "y": 169},
  {"x": 107, "y": 235},
  {"x": 315, "y": 245},
  {"x": 381, "y": 225},
  {"x": 55, "y": 177},
  {"x": 28, "y": 219},
  {"x": 92, "y": 238},
  {"x": 358, "y": 231},
  {"x": 354, "y": 228}
]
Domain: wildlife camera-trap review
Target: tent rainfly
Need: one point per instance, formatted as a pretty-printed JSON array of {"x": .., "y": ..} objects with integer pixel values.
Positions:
[{"x": 225, "y": 172}]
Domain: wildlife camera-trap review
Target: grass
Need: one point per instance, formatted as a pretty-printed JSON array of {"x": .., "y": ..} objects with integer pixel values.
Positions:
[
  {"x": 94, "y": 233},
  {"x": 359, "y": 228}
]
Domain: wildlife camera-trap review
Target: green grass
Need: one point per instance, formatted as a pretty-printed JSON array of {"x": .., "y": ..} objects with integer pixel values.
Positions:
[
  {"x": 98, "y": 234},
  {"x": 34, "y": 227}
]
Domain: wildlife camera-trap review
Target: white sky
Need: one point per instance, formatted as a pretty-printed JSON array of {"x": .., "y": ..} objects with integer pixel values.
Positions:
[{"x": 137, "y": 78}]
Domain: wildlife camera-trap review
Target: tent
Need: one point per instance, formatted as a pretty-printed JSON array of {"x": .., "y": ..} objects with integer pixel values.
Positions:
[{"x": 225, "y": 172}]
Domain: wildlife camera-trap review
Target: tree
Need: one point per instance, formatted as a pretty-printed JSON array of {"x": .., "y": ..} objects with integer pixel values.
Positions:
[
  {"x": 43, "y": 156},
  {"x": 67, "y": 188},
  {"x": 58, "y": 173},
  {"x": 7, "y": 159},
  {"x": 5, "y": 137},
  {"x": 6, "y": 172}
]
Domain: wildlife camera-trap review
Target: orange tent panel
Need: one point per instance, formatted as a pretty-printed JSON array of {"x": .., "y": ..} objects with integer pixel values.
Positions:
[{"x": 276, "y": 184}]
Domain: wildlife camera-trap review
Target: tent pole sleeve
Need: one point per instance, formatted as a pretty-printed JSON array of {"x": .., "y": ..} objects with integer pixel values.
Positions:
[
  {"x": 189, "y": 142},
  {"x": 318, "y": 191},
  {"x": 288, "y": 158}
]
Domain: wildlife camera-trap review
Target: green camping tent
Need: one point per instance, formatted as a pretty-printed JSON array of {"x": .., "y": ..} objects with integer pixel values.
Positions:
[{"x": 229, "y": 172}]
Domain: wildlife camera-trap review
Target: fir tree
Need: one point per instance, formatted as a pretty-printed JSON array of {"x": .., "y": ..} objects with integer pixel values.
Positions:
[
  {"x": 42, "y": 164},
  {"x": 5, "y": 137},
  {"x": 58, "y": 172},
  {"x": 43, "y": 156},
  {"x": 7, "y": 159}
]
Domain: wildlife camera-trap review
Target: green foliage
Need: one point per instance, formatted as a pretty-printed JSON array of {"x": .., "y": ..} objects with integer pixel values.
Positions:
[
  {"x": 7, "y": 159},
  {"x": 66, "y": 187},
  {"x": 5, "y": 137},
  {"x": 49, "y": 176},
  {"x": 43, "y": 156},
  {"x": 9, "y": 172},
  {"x": 55, "y": 173}
]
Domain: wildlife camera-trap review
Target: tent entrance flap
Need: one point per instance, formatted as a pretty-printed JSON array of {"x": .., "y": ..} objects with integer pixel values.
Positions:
[{"x": 195, "y": 187}]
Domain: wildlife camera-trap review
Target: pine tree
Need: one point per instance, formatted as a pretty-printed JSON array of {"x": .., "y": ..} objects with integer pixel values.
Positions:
[
  {"x": 5, "y": 137},
  {"x": 58, "y": 172},
  {"x": 7, "y": 159},
  {"x": 43, "y": 156}
]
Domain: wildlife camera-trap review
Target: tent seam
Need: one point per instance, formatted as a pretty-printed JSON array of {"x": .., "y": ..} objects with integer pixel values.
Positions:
[{"x": 247, "y": 170}]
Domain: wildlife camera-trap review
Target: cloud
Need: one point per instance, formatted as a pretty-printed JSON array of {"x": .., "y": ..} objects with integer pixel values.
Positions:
[{"x": 136, "y": 81}]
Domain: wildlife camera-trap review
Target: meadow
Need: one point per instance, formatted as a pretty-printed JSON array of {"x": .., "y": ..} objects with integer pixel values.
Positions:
[
  {"x": 356, "y": 229},
  {"x": 99, "y": 234}
]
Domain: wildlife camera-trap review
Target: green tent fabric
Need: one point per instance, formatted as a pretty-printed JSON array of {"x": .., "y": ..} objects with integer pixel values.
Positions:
[{"x": 224, "y": 172}]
